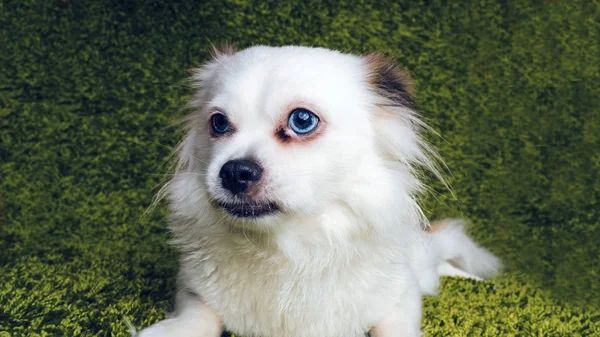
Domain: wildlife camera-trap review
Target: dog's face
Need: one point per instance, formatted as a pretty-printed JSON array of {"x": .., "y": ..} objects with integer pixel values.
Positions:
[{"x": 279, "y": 133}]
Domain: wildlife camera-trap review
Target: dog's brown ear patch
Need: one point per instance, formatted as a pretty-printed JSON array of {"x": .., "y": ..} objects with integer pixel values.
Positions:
[
  {"x": 389, "y": 79},
  {"x": 437, "y": 226},
  {"x": 223, "y": 49}
]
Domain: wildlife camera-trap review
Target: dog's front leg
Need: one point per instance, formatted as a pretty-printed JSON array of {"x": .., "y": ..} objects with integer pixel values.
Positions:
[
  {"x": 193, "y": 318},
  {"x": 404, "y": 320}
]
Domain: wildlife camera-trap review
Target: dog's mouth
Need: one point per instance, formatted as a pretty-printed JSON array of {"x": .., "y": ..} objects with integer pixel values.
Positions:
[{"x": 249, "y": 209}]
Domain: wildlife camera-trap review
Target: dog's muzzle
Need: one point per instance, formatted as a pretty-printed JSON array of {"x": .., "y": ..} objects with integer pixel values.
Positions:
[{"x": 238, "y": 175}]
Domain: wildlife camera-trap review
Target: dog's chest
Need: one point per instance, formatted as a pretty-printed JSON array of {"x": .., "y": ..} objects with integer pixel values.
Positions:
[{"x": 269, "y": 296}]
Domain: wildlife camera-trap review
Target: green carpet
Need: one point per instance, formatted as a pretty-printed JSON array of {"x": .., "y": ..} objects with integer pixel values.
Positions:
[{"x": 88, "y": 89}]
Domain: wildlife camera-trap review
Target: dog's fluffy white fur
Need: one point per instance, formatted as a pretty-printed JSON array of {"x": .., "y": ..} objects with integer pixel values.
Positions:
[{"x": 349, "y": 250}]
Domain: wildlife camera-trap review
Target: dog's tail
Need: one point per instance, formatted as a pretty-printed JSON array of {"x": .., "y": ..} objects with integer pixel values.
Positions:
[{"x": 461, "y": 256}]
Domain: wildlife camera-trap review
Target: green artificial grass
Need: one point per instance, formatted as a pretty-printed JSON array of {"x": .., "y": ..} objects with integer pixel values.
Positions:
[{"x": 88, "y": 89}]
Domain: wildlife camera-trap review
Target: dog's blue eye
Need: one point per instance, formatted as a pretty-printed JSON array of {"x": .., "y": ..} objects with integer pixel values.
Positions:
[
  {"x": 302, "y": 121},
  {"x": 219, "y": 123}
]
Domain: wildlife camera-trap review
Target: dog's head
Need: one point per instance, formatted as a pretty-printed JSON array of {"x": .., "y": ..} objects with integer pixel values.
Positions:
[{"x": 307, "y": 134}]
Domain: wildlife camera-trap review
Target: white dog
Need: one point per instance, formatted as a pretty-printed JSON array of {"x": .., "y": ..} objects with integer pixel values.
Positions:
[{"x": 293, "y": 201}]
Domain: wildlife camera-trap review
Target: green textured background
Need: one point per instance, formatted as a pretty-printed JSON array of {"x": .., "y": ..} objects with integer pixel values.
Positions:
[{"x": 88, "y": 88}]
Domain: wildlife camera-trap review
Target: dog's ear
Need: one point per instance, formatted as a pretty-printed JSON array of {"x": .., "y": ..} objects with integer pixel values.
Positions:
[
  {"x": 389, "y": 80},
  {"x": 223, "y": 49},
  {"x": 201, "y": 75}
]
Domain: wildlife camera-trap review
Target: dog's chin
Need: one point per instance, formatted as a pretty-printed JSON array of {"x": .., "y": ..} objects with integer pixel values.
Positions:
[{"x": 249, "y": 210}]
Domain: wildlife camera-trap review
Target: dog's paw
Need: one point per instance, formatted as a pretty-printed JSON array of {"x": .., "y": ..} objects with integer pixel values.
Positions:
[
  {"x": 161, "y": 329},
  {"x": 177, "y": 327},
  {"x": 167, "y": 328}
]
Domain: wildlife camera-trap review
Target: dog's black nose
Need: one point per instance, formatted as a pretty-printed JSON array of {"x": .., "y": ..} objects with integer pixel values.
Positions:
[{"x": 237, "y": 175}]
